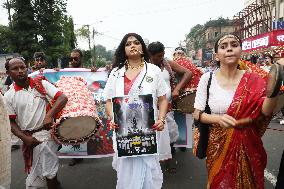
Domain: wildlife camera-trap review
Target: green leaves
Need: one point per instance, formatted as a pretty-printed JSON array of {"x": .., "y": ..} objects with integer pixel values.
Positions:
[{"x": 40, "y": 25}]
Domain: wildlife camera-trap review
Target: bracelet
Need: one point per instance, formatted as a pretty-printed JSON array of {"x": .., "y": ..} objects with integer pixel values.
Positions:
[{"x": 163, "y": 120}]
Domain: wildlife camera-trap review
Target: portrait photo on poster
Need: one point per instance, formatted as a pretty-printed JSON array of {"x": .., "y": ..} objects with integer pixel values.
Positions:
[{"x": 134, "y": 116}]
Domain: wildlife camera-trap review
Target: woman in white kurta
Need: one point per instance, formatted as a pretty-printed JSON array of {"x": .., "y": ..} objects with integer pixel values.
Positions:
[{"x": 132, "y": 75}]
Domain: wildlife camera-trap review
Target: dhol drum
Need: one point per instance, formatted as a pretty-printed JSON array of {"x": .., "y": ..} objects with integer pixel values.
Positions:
[
  {"x": 275, "y": 79},
  {"x": 275, "y": 84},
  {"x": 78, "y": 121},
  {"x": 184, "y": 103},
  {"x": 280, "y": 103}
]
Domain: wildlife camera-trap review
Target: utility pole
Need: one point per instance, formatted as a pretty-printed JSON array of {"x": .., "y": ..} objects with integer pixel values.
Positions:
[{"x": 93, "y": 57}]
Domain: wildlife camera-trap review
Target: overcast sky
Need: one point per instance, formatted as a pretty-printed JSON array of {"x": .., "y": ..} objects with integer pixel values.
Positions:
[{"x": 165, "y": 20}]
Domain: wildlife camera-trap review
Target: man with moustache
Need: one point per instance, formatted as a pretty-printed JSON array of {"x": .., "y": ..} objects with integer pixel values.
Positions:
[{"x": 30, "y": 121}]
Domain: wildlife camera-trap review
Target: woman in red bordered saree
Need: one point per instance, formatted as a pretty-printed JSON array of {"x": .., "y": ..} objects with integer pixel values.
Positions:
[{"x": 236, "y": 158}]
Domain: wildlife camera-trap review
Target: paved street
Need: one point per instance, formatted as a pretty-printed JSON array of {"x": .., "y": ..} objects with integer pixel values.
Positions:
[{"x": 98, "y": 173}]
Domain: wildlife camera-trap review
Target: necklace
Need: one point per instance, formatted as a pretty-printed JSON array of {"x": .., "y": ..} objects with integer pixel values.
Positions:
[{"x": 135, "y": 67}]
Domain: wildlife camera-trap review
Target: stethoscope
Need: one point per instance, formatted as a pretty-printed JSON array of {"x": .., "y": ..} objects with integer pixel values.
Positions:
[{"x": 143, "y": 78}]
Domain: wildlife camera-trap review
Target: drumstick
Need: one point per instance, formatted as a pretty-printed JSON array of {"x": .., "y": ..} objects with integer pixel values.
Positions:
[{"x": 243, "y": 122}]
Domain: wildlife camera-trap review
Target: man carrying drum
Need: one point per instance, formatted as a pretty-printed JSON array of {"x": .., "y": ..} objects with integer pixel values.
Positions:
[
  {"x": 30, "y": 121},
  {"x": 157, "y": 52}
]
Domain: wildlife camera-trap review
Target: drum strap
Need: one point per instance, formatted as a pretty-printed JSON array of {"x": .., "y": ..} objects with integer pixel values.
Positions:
[{"x": 39, "y": 87}]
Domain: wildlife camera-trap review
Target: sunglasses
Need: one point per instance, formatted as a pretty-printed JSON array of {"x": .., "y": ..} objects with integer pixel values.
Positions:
[
  {"x": 39, "y": 59},
  {"x": 74, "y": 58}
]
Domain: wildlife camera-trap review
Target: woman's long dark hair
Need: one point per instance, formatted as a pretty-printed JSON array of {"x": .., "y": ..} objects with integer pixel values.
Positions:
[{"x": 120, "y": 56}]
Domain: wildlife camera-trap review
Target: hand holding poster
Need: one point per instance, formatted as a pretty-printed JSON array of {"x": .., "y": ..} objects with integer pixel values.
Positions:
[{"x": 134, "y": 116}]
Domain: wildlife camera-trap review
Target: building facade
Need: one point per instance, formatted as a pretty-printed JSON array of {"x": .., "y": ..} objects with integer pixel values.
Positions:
[{"x": 213, "y": 32}]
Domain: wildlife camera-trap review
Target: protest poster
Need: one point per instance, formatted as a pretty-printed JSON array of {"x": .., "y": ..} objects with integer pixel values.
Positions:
[{"x": 134, "y": 116}]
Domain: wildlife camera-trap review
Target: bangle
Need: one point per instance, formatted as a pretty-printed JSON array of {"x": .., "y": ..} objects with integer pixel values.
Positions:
[{"x": 163, "y": 120}]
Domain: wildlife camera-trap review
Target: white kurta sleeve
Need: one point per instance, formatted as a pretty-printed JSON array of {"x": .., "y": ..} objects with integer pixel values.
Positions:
[
  {"x": 162, "y": 88},
  {"x": 110, "y": 86},
  {"x": 201, "y": 93},
  {"x": 9, "y": 106},
  {"x": 50, "y": 89}
]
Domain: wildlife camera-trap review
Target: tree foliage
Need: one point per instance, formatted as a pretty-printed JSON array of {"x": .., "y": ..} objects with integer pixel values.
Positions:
[
  {"x": 103, "y": 57},
  {"x": 41, "y": 25},
  {"x": 5, "y": 35},
  {"x": 101, "y": 52},
  {"x": 196, "y": 35},
  {"x": 24, "y": 28}
]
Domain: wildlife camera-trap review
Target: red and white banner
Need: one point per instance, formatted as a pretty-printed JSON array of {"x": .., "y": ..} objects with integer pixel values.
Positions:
[{"x": 273, "y": 38}]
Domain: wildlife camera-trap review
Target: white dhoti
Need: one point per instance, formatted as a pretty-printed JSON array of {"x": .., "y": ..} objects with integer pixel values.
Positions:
[
  {"x": 172, "y": 126},
  {"x": 45, "y": 161},
  {"x": 164, "y": 147},
  {"x": 138, "y": 172}
]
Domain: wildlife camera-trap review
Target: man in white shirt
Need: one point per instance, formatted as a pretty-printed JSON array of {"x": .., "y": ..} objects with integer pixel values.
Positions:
[{"x": 30, "y": 121}]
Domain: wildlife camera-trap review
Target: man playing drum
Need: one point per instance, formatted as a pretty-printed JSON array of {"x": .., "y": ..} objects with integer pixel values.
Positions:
[
  {"x": 30, "y": 121},
  {"x": 157, "y": 52}
]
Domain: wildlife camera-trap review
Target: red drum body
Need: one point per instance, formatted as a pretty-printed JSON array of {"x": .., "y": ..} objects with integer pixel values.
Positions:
[
  {"x": 78, "y": 121},
  {"x": 185, "y": 102}
]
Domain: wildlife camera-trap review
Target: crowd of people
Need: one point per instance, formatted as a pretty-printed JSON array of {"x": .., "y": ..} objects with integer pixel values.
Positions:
[{"x": 240, "y": 113}]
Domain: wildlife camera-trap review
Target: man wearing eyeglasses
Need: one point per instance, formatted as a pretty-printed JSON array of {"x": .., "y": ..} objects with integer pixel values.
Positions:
[{"x": 76, "y": 59}]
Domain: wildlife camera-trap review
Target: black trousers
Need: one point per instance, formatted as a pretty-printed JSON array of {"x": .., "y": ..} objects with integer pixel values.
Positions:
[{"x": 280, "y": 178}]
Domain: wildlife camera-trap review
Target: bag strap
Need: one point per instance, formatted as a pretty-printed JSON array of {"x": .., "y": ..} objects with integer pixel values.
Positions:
[{"x": 208, "y": 87}]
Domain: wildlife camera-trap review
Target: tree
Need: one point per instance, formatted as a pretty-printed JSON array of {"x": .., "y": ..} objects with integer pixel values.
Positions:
[
  {"x": 103, "y": 53},
  {"x": 7, "y": 5},
  {"x": 41, "y": 25},
  {"x": 24, "y": 29},
  {"x": 50, "y": 16},
  {"x": 5, "y": 35},
  {"x": 70, "y": 40},
  {"x": 84, "y": 33},
  {"x": 196, "y": 37}
]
